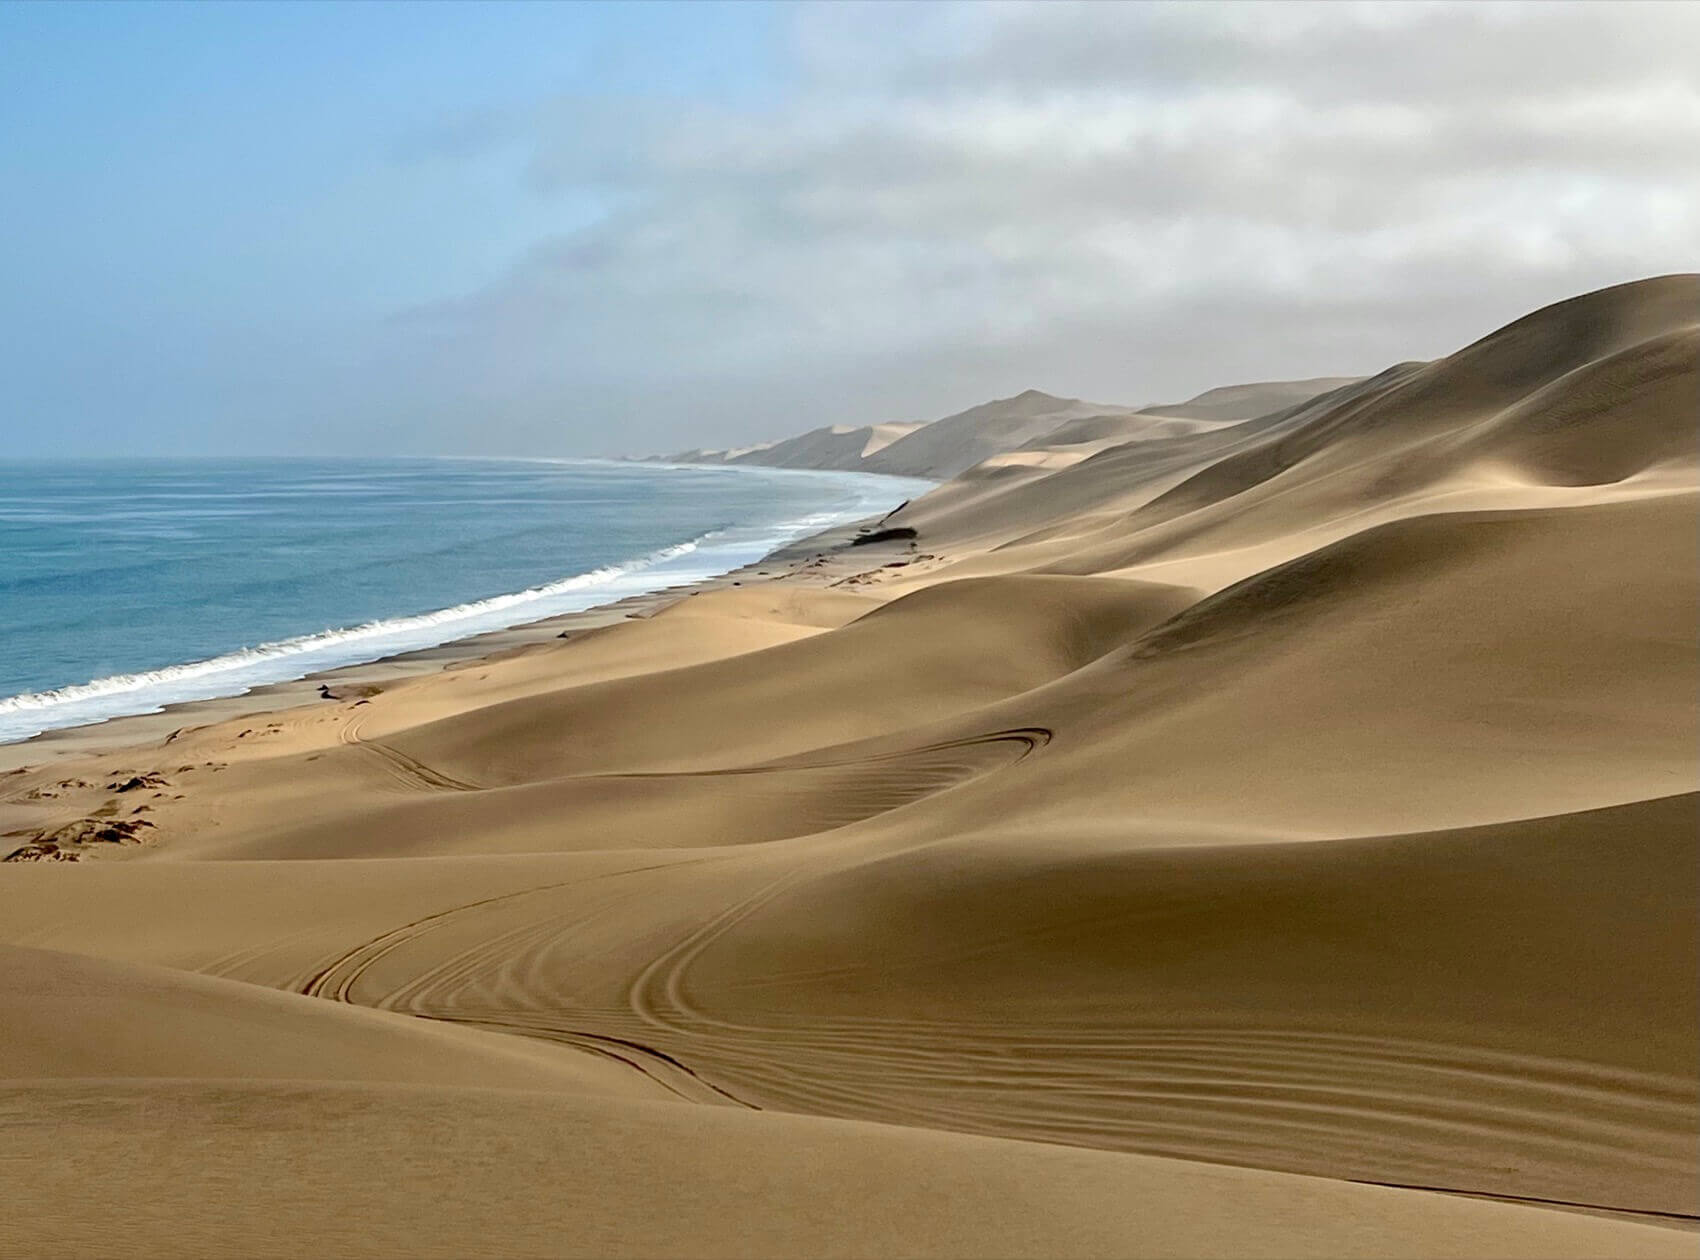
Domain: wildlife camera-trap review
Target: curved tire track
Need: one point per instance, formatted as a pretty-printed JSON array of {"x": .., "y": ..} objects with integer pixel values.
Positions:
[{"x": 406, "y": 771}]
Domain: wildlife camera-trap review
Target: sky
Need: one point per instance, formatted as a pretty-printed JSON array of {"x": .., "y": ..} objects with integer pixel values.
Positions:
[{"x": 582, "y": 229}]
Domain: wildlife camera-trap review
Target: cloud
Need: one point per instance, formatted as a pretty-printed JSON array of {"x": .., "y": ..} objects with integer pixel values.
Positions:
[{"x": 1127, "y": 202}]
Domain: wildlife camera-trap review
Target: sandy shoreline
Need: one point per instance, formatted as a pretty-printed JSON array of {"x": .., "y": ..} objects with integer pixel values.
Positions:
[
  {"x": 1270, "y": 839},
  {"x": 355, "y": 680}
]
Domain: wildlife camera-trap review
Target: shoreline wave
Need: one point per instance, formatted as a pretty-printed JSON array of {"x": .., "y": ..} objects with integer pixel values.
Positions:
[
  {"x": 237, "y": 672},
  {"x": 301, "y": 644}
]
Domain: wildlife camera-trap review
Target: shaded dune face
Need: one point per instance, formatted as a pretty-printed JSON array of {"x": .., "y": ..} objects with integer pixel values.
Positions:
[
  {"x": 1314, "y": 1007},
  {"x": 1585, "y": 393},
  {"x": 746, "y": 805},
  {"x": 1314, "y": 794}
]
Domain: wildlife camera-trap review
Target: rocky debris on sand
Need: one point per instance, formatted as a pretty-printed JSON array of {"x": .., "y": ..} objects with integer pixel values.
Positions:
[
  {"x": 68, "y": 843},
  {"x": 138, "y": 781},
  {"x": 898, "y": 533}
]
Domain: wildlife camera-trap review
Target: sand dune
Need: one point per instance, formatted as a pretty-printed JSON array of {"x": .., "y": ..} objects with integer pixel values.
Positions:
[
  {"x": 956, "y": 443},
  {"x": 1011, "y": 430},
  {"x": 938, "y": 652},
  {"x": 1248, "y": 835},
  {"x": 1229, "y": 403}
]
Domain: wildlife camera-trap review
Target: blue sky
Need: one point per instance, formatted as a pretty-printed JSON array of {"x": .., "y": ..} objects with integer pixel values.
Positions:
[
  {"x": 295, "y": 143},
  {"x": 581, "y": 228},
  {"x": 207, "y": 199}
]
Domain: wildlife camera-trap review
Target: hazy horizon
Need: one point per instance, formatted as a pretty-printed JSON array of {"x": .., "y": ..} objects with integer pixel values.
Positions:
[{"x": 600, "y": 230}]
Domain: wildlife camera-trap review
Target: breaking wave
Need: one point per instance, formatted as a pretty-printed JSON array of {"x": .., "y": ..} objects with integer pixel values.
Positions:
[{"x": 236, "y": 672}]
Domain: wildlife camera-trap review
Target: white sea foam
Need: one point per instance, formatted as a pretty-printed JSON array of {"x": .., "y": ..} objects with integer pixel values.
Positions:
[
  {"x": 235, "y": 673},
  {"x": 387, "y": 633}
]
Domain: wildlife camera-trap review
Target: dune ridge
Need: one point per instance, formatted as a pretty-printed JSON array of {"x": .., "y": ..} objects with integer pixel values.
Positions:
[
  {"x": 1030, "y": 429},
  {"x": 1258, "y": 826}
]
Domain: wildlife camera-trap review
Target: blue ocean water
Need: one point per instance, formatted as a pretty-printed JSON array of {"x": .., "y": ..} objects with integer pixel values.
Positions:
[{"x": 128, "y": 585}]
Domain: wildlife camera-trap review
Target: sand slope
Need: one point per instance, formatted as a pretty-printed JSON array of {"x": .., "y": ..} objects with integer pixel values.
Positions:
[
  {"x": 1227, "y": 403},
  {"x": 68, "y": 1017},
  {"x": 1176, "y": 848},
  {"x": 273, "y": 1170}
]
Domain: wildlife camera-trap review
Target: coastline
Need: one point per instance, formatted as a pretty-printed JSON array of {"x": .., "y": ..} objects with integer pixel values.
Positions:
[{"x": 823, "y": 553}]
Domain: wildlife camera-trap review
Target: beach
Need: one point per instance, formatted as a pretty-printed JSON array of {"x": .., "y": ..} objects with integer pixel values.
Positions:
[
  {"x": 364, "y": 678},
  {"x": 129, "y": 587},
  {"x": 1181, "y": 835}
]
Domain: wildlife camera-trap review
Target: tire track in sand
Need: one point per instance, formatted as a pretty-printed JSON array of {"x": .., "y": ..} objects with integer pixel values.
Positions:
[
  {"x": 335, "y": 981},
  {"x": 406, "y": 771}
]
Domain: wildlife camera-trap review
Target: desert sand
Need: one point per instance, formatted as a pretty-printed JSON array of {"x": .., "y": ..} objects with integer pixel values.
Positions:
[{"x": 1264, "y": 826}]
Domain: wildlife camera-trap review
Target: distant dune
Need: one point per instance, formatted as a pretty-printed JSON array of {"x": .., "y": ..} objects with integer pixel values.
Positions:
[
  {"x": 1228, "y": 403},
  {"x": 834, "y": 447},
  {"x": 1029, "y": 422},
  {"x": 956, "y": 443},
  {"x": 1258, "y": 826}
]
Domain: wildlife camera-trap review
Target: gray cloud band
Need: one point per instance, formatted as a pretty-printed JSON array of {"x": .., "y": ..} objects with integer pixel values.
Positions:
[{"x": 1125, "y": 202}]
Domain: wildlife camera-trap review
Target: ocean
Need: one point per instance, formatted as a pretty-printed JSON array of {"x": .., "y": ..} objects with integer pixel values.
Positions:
[{"x": 129, "y": 585}]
